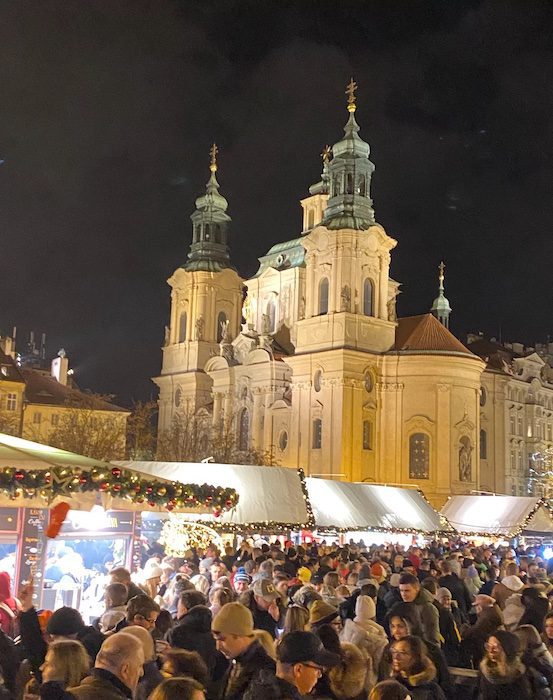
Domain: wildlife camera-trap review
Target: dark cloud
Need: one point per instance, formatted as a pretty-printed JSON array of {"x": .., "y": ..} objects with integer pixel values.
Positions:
[{"x": 109, "y": 108}]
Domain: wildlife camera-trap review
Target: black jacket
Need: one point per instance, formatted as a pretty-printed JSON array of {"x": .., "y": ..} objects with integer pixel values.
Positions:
[
  {"x": 193, "y": 633},
  {"x": 268, "y": 687},
  {"x": 262, "y": 620},
  {"x": 459, "y": 593},
  {"x": 244, "y": 669}
]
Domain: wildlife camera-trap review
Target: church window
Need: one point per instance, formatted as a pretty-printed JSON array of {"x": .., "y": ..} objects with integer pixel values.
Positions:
[
  {"x": 419, "y": 456},
  {"x": 310, "y": 218},
  {"x": 349, "y": 183},
  {"x": 182, "y": 327},
  {"x": 207, "y": 232},
  {"x": 271, "y": 313},
  {"x": 283, "y": 440},
  {"x": 318, "y": 380},
  {"x": 323, "y": 296},
  {"x": 362, "y": 186},
  {"x": 178, "y": 397},
  {"x": 216, "y": 233},
  {"x": 483, "y": 396},
  {"x": 317, "y": 434},
  {"x": 367, "y": 435},
  {"x": 221, "y": 321},
  {"x": 483, "y": 445},
  {"x": 244, "y": 430},
  {"x": 512, "y": 427},
  {"x": 338, "y": 184},
  {"x": 369, "y": 382},
  {"x": 368, "y": 297}
]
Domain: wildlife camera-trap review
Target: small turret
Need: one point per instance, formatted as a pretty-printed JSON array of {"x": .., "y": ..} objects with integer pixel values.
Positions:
[{"x": 441, "y": 308}]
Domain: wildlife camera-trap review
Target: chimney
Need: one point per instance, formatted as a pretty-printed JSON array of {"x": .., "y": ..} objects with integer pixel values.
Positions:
[{"x": 60, "y": 367}]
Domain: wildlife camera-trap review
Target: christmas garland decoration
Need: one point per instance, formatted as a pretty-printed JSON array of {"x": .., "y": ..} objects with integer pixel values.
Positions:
[{"x": 119, "y": 483}]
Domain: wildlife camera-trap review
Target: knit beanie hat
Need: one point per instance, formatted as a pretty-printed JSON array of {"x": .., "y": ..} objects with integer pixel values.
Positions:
[
  {"x": 365, "y": 609},
  {"x": 378, "y": 572},
  {"x": 241, "y": 575},
  {"x": 233, "y": 618},
  {"x": 320, "y": 613},
  {"x": 394, "y": 580},
  {"x": 304, "y": 574},
  {"x": 510, "y": 643},
  {"x": 485, "y": 601},
  {"x": 65, "y": 622}
]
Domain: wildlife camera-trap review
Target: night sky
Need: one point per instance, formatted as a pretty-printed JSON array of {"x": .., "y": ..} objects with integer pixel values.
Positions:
[{"x": 108, "y": 110}]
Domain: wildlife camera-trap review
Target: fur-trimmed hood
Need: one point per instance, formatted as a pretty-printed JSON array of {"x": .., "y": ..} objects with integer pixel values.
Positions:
[
  {"x": 427, "y": 675},
  {"x": 349, "y": 678},
  {"x": 490, "y": 671}
]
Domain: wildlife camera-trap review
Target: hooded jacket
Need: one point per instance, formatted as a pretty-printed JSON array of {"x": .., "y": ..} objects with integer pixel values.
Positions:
[
  {"x": 366, "y": 634},
  {"x": 350, "y": 679},
  {"x": 422, "y": 685},
  {"x": 502, "y": 591},
  {"x": 244, "y": 670},
  {"x": 459, "y": 593},
  {"x": 429, "y": 616},
  {"x": 474, "y": 637},
  {"x": 7, "y": 601},
  {"x": 193, "y": 633},
  {"x": 515, "y": 683}
]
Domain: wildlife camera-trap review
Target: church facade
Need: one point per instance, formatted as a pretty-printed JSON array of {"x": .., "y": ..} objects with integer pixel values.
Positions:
[{"x": 308, "y": 355}]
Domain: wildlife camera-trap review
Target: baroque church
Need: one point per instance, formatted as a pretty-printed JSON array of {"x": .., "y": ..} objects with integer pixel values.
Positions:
[{"x": 309, "y": 356}]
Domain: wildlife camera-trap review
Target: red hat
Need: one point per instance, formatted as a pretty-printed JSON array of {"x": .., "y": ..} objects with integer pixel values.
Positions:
[{"x": 378, "y": 572}]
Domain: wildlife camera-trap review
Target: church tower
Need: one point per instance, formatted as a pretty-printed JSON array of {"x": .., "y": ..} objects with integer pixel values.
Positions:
[
  {"x": 440, "y": 307},
  {"x": 206, "y": 304}
]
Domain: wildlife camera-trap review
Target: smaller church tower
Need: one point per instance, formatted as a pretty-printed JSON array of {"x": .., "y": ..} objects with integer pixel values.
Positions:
[
  {"x": 206, "y": 304},
  {"x": 441, "y": 308}
]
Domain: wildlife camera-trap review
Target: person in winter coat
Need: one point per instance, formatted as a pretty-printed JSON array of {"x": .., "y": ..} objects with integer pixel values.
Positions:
[
  {"x": 151, "y": 675},
  {"x": 366, "y": 634},
  {"x": 547, "y": 634},
  {"x": 393, "y": 596},
  {"x": 472, "y": 581},
  {"x": 509, "y": 584},
  {"x": 349, "y": 679},
  {"x": 262, "y": 601},
  {"x": 232, "y": 629},
  {"x": 459, "y": 592},
  {"x": 534, "y": 652},
  {"x": 536, "y": 607},
  {"x": 411, "y": 592},
  {"x": 451, "y": 638},
  {"x": 8, "y": 606},
  {"x": 503, "y": 676},
  {"x": 473, "y": 637},
  {"x": 413, "y": 669}
]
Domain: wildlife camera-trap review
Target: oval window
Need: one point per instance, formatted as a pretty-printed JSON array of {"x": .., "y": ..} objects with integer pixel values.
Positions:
[
  {"x": 369, "y": 382},
  {"x": 483, "y": 396},
  {"x": 318, "y": 380},
  {"x": 178, "y": 397},
  {"x": 283, "y": 440}
]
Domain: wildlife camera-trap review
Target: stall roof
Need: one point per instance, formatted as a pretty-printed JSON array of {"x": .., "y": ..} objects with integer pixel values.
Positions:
[
  {"x": 38, "y": 456},
  {"x": 345, "y": 506},
  {"x": 505, "y": 516},
  {"x": 269, "y": 497}
]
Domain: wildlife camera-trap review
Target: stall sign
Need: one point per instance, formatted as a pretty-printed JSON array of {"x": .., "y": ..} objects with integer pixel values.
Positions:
[
  {"x": 33, "y": 549},
  {"x": 111, "y": 522}
]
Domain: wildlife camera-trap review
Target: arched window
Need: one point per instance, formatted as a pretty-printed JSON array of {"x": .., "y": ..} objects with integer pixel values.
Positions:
[
  {"x": 362, "y": 186},
  {"x": 310, "y": 218},
  {"x": 367, "y": 435},
  {"x": 317, "y": 434},
  {"x": 216, "y": 233},
  {"x": 338, "y": 184},
  {"x": 207, "y": 232},
  {"x": 323, "y": 296},
  {"x": 349, "y": 183},
  {"x": 419, "y": 456},
  {"x": 182, "y": 327},
  {"x": 221, "y": 321},
  {"x": 368, "y": 298},
  {"x": 244, "y": 430},
  {"x": 483, "y": 445}
]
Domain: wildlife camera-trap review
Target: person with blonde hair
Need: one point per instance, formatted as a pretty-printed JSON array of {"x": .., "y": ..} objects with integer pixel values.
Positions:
[
  {"x": 66, "y": 662},
  {"x": 266, "y": 641},
  {"x": 178, "y": 689},
  {"x": 296, "y": 619}
]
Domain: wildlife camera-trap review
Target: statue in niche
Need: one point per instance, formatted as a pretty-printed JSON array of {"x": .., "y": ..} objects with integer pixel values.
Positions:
[
  {"x": 392, "y": 313},
  {"x": 265, "y": 324},
  {"x": 199, "y": 326},
  {"x": 345, "y": 298},
  {"x": 247, "y": 309},
  {"x": 301, "y": 310},
  {"x": 166, "y": 337},
  {"x": 465, "y": 459},
  {"x": 224, "y": 331}
]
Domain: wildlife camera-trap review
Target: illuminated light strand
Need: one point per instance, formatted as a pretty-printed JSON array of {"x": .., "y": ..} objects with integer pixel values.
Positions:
[
  {"x": 179, "y": 535},
  {"x": 119, "y": 483}
]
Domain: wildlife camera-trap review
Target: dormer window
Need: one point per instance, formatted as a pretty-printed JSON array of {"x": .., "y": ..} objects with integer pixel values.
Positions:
[{"x": 4, "y": 370}]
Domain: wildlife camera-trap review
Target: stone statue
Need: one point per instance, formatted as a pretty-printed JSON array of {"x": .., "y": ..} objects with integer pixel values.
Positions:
[
  {"x": 247, "y": 309},
  {"x": 265, "y": 324},
  {"x": 224, "y": 331},
  {"x": 199, "y": 325},
  {"x": 392, "y": 314},
  {"x": 465, "y": 459},
  {"x": 166, "y": 337},
  {"x": 301, "y": 310},
  {"x": 345, "y": 298}
]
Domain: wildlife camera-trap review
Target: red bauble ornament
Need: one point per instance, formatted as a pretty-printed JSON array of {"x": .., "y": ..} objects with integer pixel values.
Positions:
[
  {"x": 151, "y": 504},
  {"x": 116, "y": 487},
  {"x": 116, "y": 472},
  {"x": 209, "y": 499},
  {"x": 149, "y": 489},
  {"x": 228, "y": 503},
  {"x": 19, "y": 476},
  {"x": 82, "y": 480},
  {"x": 170, "y": 507},
  {"x": 138, "y": 488},
  {"x": 103, "y": 486},
  {"x": 217, "y": 513}
]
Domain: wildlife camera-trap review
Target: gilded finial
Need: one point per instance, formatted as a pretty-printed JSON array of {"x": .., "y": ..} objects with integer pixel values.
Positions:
[
  {"x": 325, "y": 155},
  {"x": 441, "y": 277},
  {"x": 213, "y": 153},
  {"x": 350, "y": 92}
]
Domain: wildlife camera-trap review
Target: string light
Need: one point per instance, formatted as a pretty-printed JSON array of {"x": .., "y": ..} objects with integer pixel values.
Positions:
[{"x": 179, "y": 535}]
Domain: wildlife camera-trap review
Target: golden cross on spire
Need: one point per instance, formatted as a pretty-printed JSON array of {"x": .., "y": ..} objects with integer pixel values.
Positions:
[
  {"x": 441, "y": 268},
  {"x": 213, "y": 153},
  {"x": 325, "y": 155},
  {"x": 350, "y": 92}
]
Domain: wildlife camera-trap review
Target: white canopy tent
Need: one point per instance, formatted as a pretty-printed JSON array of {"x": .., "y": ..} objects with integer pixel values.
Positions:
[
  {"x": 499, "y": 516},
  {"x": 269, "y": 497},
  {"x": 348, "y": 507}
]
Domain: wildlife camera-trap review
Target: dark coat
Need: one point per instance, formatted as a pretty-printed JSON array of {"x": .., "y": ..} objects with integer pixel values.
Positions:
[
  {"x": 244, "y": 669},
  {"x": 267, "y": 686},
  {"x": 421, "y": 686},
  {"x": 441, "y": 675},
  {"x": 451, "y": 638},
  {"x": 151, "y": 679},
  {"x": 515, "y": 686},
  {"x": 262, "y": 620},
  {"x": 459, "y": 593},
  {"x": 193, "y": 632},
  {"x": 100, "y": 685},
  {"x": 474, "y": 637}
]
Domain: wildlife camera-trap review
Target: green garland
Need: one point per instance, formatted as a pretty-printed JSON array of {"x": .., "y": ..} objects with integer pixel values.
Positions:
[{"x": 119, "y": 483}]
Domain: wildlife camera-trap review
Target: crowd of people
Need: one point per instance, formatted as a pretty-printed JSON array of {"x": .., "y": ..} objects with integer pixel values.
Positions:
[{"x": 280, "y": 621}]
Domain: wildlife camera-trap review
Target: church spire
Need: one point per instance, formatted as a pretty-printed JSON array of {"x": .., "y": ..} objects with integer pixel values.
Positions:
[
  {"x": 350, "y": 172},
  {"x": 209, "y": 250},
  {"x": 441, "y": 308}
]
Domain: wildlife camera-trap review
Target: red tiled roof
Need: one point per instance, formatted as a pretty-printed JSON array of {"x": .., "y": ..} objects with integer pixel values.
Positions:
[
  {"x": 425, "y": 332},
  {"x": 42, "y": 389}
]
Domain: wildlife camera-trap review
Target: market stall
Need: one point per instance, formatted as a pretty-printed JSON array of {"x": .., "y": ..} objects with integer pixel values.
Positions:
[
  {"x": 499, "y": 516},
  {"x": 359, "y": 509}
]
